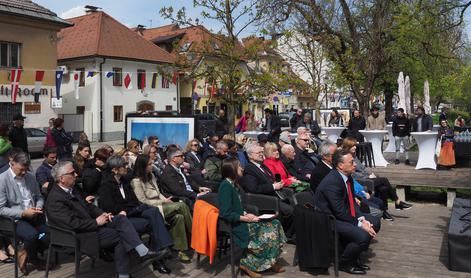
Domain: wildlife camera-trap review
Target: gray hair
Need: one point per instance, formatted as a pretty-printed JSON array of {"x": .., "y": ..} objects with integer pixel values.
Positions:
[
  {"x": 59, "y": 169},
  {"x": 221, "y": 144},
  {"x": 173, "y": 153},
  {"x": 308, "y": 115},
  {"x": 286, "y": 148},
  {"x": 300, "y": 129},
  {"x": 115, "y": 161},
  {"x": 251, "y": 148},
  {"x": 21, "y": 158},
  {"x": 324, "y": 149}
]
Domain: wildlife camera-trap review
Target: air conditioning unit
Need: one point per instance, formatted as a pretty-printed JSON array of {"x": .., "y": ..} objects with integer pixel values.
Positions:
[{"x": 63, "y": 69}]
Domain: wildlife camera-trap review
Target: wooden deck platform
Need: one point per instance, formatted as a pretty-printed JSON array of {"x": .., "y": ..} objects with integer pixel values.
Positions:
[{"x": 414, "y": 245}]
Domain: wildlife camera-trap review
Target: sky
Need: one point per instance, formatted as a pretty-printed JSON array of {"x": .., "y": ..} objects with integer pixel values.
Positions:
[{"x": 146, "y": 12}]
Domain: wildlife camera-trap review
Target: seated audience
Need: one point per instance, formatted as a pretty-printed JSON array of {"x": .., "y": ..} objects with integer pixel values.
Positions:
[
  {"x": 287, "y": 158},
  {"x": 275, "y": 166},
  {"x": 20, "y": 198},
  {"x": 176, "y": 214},
  {"x": 159, "y": 155},
  {"x": 43, "y": 173},
  {"x": 95, "y": 229},
  {"x": 262, "y": 139},
  {"x": 213, "y": 163},
  {"x": 133, "y": 151},
  {"x": 209, "y": 146},
  {"x": 151, "y": 151},
  {"x": 285, "y": 138},
  {"x": 326, "y": 151},
  {"x": 382, "y": 186},
  {"x": 304, "y": 162},
  {"x": 118, "y": 198},
  {"x": 176, "y": 183},
  {"x": 263, "y": 239},
  {"x": 83, "y": 140},
  {"x": 81, "y": 157},
  {"x": 92, "y": 174},
  {"x": 258, "y": 179},
  {"x": 334, "y": 195}
]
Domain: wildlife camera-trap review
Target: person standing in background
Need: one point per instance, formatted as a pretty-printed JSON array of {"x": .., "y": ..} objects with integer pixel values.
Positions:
[
  {"x": 17, "y": 136},
  {"x": 50, "y": 143},
  {"x": 401, "y": 133},
  {"x": 376, "y": 120}
]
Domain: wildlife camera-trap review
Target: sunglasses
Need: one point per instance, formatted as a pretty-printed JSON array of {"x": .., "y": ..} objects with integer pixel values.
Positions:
[
  {"x": 70, "y": 173},
  {"x": 194, "y": 145},
  {"x": 305, "y": 140}
]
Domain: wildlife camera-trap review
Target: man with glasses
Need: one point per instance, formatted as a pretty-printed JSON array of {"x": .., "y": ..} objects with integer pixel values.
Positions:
[
  {"x": 326, "y": 151},
  {"x": 305, "y": 163},
  {"x": 213, "y": 163},
  {"x": 95, "y": 229},
  {"x": 175, "y": 183},
  {"x": 21, "y": 199}
]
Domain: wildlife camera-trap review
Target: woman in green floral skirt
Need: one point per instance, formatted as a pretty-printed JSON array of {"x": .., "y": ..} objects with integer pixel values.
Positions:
[{"x": 262, "y": 239}]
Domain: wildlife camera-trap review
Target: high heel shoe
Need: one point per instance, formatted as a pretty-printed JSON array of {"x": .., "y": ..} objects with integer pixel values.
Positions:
[
  {"x": 252, "y": 274},
  {"x": 277, "y": 269}
]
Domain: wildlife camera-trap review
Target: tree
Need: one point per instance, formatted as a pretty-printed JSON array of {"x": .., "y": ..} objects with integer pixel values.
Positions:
[{"x": 227, "y": 60}]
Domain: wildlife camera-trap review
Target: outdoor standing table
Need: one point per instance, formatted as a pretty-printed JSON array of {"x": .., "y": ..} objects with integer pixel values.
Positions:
[
  {"x": 333, "y": 133},
  {"x": 427, "y": 142},
  {"x": 435, "y": 127},
  {"x": 376, "y": 139},
  {"x": 391, "y": 148}
]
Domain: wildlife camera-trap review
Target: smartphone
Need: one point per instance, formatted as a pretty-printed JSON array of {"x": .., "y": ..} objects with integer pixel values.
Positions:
[{"x": 277, "y": 177}]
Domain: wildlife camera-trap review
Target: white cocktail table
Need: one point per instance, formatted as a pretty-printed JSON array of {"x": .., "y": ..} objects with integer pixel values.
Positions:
[
  {"x": 333, "y": 133},
  {"x": 427, "y": 142},
  {"x": 376, "y": 139},
  {"x": 254, "y": 134}
]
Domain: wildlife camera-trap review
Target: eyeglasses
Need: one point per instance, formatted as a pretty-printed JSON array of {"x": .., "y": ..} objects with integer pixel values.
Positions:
[
  {"x": 194, "y": 145},
  {"x": 70, "y": 173}
]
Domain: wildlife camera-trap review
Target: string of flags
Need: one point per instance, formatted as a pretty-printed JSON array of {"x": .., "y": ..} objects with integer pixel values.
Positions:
[{"x": 15, "y": 77}]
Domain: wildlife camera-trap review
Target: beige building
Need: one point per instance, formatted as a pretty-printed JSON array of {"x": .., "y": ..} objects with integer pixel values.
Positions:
[{"x": 28, "y": 40}]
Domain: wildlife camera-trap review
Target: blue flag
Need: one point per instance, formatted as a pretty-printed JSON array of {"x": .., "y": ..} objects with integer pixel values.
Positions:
[
  {"x": 59, "y": 74},
  {"x": 109, "y": 74},
  {"x": 91, "y": 73}
]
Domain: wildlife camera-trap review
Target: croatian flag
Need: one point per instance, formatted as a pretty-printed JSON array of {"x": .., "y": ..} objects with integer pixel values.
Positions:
[
  {"x": 15, "y": 82},
  {"x": 127, "y": 81},
  {"x": 59, "y": 74},
  {"x": 37, "y": 85},
  {"x": 76, "y": 84}
]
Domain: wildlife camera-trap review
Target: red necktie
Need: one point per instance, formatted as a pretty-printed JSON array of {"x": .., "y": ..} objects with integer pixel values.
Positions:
[{"x": 350, "y": 198}]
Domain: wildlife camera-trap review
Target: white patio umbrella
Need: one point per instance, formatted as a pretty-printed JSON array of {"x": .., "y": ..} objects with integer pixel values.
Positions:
[
  {"x": 427, "y": 107},
  {"x": 407, "y": 95},
  {"x": 400, "y": 91}
]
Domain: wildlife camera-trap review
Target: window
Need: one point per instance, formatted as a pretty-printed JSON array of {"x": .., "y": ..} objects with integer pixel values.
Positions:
[
  {"x": 185, "y": 47},
  {"x": 9, "y": 55},
  {"x": 168, "y": 107},
  {"x": 141, "y": 79},
  {"x": 165, "y": 83},
  {"x": 117, "y": 77},
  {"x": 81, "y": 77},
  {"x": 118, "y": 113},
  {"x": 80, "y": 110},
  {"x": 37, "y": 132}
]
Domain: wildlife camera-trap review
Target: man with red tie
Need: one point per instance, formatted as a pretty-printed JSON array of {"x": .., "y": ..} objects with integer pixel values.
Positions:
[{"x": 335, "y": 195}]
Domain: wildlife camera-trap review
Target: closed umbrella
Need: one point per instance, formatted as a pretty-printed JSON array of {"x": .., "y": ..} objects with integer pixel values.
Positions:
[
  {"x": 400, "y": 91},
  {"x": 407, "y": 95},
  {"x": 427, "y": 107}
]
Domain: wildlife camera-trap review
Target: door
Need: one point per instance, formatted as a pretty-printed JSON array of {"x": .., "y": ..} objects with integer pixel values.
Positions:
[{"x": 144, "y": 106}]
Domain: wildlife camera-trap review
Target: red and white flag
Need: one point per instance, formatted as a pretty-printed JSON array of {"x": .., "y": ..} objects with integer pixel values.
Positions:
[
  {"x": 37, "y": 85},
  {"x": 127, "y": 81},
  {"x": 15, "y": 82},
  {"x": 142, "y": 81},
  {"x": 76, "y": 84},
  {"x": 175, "y": 77}
]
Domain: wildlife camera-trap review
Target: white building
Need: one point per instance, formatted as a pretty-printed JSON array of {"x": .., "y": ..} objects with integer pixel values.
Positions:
[{"x": 96, "y": 45}]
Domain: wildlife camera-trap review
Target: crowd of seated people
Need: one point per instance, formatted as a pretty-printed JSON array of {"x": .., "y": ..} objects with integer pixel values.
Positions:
[{"x": 112, "y": 197}]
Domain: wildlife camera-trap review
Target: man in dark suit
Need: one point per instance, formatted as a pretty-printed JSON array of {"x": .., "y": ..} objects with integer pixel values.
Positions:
[
  {"x": 272, "y": 125},
  {"x": 304, "y": 161},
  {"x": 334, "y": 195},
  {"x": 259, "y": 180},
  {"x": 326, "y": 151},
  {"x": 176, "y": 183},
  {"x": 95, "y": 229}
]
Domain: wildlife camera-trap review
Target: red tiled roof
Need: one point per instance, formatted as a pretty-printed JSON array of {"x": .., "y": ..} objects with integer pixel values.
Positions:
[{"x": 98, "y": 34}]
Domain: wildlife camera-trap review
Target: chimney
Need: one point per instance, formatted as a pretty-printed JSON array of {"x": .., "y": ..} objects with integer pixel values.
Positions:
[
  {"x": 91, "y": 9},
  {"x": 140, "y": 28}
]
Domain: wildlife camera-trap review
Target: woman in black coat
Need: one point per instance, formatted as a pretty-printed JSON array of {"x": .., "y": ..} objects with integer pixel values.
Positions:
[{"x": 63, "y": 140}]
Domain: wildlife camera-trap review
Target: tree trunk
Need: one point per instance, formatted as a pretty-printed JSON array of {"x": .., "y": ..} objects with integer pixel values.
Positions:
[{"x": 388, "y": 95}]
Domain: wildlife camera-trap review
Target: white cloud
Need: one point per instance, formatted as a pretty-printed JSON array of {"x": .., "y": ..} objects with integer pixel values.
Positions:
[{"x": 73, "y": 12}]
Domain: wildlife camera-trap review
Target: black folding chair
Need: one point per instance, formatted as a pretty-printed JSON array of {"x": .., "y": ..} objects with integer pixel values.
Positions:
[
  {"x": 63, "y": 241},
  {"x": 8, "y": 230},
  {"x": 224, "y": 232},
  {"x": 306, "y": 198}
]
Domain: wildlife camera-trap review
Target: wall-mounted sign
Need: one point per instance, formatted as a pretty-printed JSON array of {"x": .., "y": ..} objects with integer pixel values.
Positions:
[
  {"x": 5, "y": 90},
  {"x": 32, "y": 108},
  {"x": 56, "y": 103}
]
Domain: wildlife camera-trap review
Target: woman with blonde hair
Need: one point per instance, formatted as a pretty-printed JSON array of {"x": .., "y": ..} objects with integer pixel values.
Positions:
[
  {"x": 133, "y": 149},
  {"x": 273, "y": 163}
]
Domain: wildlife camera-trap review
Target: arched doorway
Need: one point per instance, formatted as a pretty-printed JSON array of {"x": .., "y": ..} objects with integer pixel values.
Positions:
[{"x": 145, "y": 105}]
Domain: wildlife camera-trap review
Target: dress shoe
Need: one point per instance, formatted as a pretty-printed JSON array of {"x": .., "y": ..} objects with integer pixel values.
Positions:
[
  {"x": 407, "y": 162},
  {"x": 403, "y": 206},
  {"x": 252, "y": 274},
  {"x": 353, "y": 270},
  {"x": 387, "y": 216},
  {"x": 151, "y": 254},
  {"x": 160, "y": 267},
  {"x": 277, "y": 268},
  {"x": 163, "y": 253},
  {"x": 363, "y": 266},
  {"x": 396, "y": 161},
  {"x": 22, "y": 261}
]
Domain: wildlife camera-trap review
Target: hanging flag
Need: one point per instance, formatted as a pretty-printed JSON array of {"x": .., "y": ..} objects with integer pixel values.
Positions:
[
  {"x": 127, "y": 81},
  {"x": 154, "y": 80},
  {"x": 109, "y": 74},
  {"x": 15, "y": 82},
  {"x": 37, "y": 85},
  {"x": 76, "y": 84},
  {"x": 175, "y": 77},
  {"x": 91, "y": 73},
  {"x": 142, "y": 83},
  {"x": 204, "y": 89},
  {"x": 194, "y": 85},
  {"x": 213, "y": 90},
  {"x": 59, "y": 74}
]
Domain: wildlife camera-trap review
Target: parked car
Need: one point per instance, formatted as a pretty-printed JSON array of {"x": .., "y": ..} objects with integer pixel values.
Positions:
[{"x": 36, "y": 140}]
